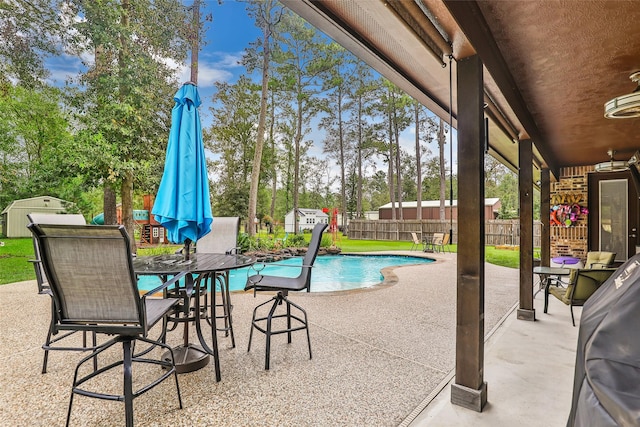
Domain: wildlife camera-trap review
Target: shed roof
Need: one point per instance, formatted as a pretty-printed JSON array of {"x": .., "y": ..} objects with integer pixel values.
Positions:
[{"x": 38, "y": 201}]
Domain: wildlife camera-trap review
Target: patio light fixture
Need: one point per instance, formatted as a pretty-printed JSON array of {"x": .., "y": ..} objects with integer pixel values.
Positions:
[
  {"x": 625, "y": 106},
  {"x": 612, "y": 165}
]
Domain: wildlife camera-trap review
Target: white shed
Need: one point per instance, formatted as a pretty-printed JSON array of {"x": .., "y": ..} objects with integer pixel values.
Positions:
[
  {"x": 307, "y": 219},
  {"x": 14, "y": 217}
]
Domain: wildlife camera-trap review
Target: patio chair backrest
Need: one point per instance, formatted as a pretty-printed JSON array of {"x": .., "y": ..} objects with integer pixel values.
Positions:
[
  {"x": 598, "y": 259},
  {"x": 588, "y": 281},
  {"x": 90, "y": 271},
  {"x": 312, "y": 252},
  {"x": 445, "y": 240},
  {"x": 437, "y": 239},
  {"x": 45, "y": 218},
  {"x": 223, "y": 237},
  {"x": 414, "y": 236}
]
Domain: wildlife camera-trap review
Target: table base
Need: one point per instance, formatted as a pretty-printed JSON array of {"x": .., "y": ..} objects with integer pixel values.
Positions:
[{"x": 188, "y": 358}]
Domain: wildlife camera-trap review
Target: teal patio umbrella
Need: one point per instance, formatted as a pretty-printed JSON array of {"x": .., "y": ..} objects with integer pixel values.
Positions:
[{"x": 183, "y": 204}]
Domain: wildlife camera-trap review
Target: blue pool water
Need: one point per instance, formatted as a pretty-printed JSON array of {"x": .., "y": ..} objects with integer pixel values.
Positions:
[{"x": 330, "y": 272}]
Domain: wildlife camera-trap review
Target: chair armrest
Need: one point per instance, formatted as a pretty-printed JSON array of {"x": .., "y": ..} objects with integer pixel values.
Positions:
[
  {"x": 600, "y": 265},
  {"x": 165, "y": 285},
  {"x": 232, "y": 251},
  {"x": 258, "y": 267}
]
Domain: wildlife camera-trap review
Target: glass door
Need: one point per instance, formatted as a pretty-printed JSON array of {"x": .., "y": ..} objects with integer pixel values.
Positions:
[
  {"x": 613, "y": 207},
  {"x": 613, "y": 213}
]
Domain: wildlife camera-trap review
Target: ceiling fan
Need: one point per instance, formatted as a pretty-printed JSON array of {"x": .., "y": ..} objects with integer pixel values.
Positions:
[{"x": 625, "y": 106}]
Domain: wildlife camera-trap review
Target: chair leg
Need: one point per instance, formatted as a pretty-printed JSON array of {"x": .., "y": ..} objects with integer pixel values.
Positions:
[
  {"x": 268, "y": 332},
  {"x": 288, "y": 321},
  {"x": 128, "y": 383},
  {"x": 306, "y": 324},
  {"x": 46, "y": 350},
  {"x": 546, "y": 295},
  {"x": 94, "y": 341},
  {"x": 227, "y": 308},
  {"x": 572, "y": 319},
  {"x": 254, "y": 321},
  {"x": 48, "y": 341}
]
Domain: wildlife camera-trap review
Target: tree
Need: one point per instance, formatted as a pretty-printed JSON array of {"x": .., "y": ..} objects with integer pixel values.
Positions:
[
  {"x": 396, "y": 107},
  {"x": 338, "y": 103},
  {"x": 33, "y": 138},
  {"x": 301, "y": 62},
  {"x": 232, "y": 135},
  {"x": 29, "y": 30},
  {"x": 267, "y": 14},
  {"x": 500, "y": 182},
  {"x": 128, "y": 88},
  {"x": 365, "y": 91}
]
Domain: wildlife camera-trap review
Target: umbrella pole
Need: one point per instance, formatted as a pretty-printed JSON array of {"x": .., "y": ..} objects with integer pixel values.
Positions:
[{"x": 187, "y": 249}]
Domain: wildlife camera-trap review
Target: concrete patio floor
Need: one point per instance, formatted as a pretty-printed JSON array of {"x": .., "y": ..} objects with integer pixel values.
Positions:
[{"x": 381, "y": 357}]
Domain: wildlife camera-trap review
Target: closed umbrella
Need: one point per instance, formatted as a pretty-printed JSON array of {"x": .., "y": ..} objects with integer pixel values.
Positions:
[{"x": 182, "y": 204}]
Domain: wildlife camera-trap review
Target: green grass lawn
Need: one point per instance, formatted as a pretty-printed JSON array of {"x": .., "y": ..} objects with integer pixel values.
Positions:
[
  {"x": 16, "y": 253},
  {"x": 14, "y": 261}
]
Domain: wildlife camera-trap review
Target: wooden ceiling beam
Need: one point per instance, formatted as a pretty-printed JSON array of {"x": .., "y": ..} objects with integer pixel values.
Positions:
[{"x": 470, "y": 19}]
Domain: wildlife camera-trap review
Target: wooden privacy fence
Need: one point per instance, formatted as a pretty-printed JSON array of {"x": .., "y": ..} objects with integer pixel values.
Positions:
[{"x": 497, "y": 231}]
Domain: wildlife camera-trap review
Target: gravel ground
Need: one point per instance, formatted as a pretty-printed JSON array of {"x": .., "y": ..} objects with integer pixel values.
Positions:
[{"x": 377, "y": 353}]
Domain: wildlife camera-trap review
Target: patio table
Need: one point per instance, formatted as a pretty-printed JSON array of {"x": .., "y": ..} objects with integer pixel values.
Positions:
[
  {"x": 562, "y": 261},
  {"x": 199, "y": 268}
]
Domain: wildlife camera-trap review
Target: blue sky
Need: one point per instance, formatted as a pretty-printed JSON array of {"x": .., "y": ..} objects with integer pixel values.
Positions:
[{"x": 227, "y": 36}]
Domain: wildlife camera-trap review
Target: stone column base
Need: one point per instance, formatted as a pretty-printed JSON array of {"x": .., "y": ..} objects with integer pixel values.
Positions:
[
  {"x": 526, "y": 314},
  {"x": 468, "y": 397}
]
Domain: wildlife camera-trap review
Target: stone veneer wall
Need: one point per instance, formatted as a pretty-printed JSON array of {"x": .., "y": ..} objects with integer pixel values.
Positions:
[{"x": 571, "y": 241}]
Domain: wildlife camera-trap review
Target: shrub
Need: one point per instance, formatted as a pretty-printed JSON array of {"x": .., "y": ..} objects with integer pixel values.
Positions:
[
  {"x": 327, "y": 241},
  {"x": 296, "y": 241}
]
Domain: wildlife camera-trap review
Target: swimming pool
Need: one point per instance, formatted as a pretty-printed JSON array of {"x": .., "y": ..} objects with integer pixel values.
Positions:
[{"x": 330, "y": 272}]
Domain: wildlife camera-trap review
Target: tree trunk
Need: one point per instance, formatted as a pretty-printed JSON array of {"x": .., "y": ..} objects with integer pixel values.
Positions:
[
  {"x": 109, "y": 208},
  {"x": 359, "y": 212},
  {"x": 396, "y": 138},
  {"x": 392, "y": 192},
  {"x": 126, "y": 195},
  {"x": 126, "y": 186},
  {"x": 296, "y": 168},
  {"x": 343, "y": 181},
  {"x": 274, "y": 169},
  {"x": 418, "y": 164},
  {"x": 257, "y": 155}
]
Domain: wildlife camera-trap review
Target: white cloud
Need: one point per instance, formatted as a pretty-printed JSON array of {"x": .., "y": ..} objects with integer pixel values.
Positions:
[
  {"x": 212, "y": 67},
  {"x": 208, "y": 74}
]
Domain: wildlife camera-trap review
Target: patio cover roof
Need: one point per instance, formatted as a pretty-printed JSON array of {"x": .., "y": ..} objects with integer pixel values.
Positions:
[{"x": 549, "y": 66}]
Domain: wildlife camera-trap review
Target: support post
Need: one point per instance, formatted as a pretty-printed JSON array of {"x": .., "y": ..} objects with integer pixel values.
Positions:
[
  {"x": 470, "y": 390},
  {"x": 525, "y": 187},
  {"x": 545, "y": 207}
]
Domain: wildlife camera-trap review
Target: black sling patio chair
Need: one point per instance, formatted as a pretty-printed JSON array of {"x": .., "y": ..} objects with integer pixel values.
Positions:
[
  {"x": 91, "y": 276},
  {"x": 282, "y": 286},
  {"x": 54, "y": 338}
]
